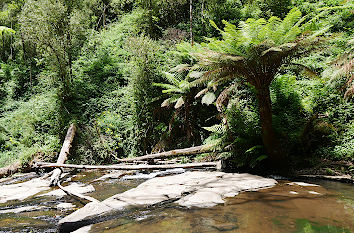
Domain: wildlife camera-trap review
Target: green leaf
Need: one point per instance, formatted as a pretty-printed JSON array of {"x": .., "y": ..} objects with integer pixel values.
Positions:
[
  {"x": 262, "y": 157},
  {"x": 4, "y": 30},
  {"x": 214, "y": 25}
]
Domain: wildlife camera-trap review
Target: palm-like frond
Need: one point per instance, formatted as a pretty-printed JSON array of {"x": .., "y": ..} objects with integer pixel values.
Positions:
[
  {"x": 219, "y": 129},
  {"x": 255, "y": 49},
  {"x": 171, "y": 78},
  {"x": 180, "y": 102}
]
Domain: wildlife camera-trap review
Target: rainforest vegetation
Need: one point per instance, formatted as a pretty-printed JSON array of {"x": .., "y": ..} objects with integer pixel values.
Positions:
[{"x": 267, "y": 82}]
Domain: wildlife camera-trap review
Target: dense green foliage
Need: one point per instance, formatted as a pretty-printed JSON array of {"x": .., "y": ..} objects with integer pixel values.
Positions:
[{"x": 125, "y": 72}]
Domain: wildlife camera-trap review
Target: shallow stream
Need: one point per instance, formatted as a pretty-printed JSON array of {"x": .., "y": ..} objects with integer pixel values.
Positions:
[{"x": 283, "y": 208}]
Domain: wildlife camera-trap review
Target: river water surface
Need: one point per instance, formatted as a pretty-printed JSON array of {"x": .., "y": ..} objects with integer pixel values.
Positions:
[{"x": 283, "y": 208}]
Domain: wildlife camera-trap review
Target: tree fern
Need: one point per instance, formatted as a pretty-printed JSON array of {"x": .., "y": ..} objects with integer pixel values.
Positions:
[{"x": 254, "y": 51}]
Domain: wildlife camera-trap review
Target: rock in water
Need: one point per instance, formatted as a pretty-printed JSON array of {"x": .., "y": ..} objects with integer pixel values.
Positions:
[
  {"x": 201, "y": 189},
  {"x": 23, "y": 190}
]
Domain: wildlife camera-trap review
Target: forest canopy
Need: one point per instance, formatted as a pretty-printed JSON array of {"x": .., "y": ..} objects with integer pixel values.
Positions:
[{"x": 266, "y": 82}]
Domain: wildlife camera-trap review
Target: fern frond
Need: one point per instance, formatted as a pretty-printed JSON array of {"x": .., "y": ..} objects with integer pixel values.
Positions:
[
  {"x": 172, "y": 90},
  {"x": 219, "y": 129},
  {"x": 202, "y": 92},
  {"x": 164, "y": 85},
  {"x": 195, "y": 74},
  {"x": 171, "y": 78},
  {"x": 166, "y": 102},
  {"x": 179, "y": 102},
  {"x": 181, "y": 68}
]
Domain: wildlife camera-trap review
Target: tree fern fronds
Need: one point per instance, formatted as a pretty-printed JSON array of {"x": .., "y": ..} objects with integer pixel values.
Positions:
[
  {"x": 350, "y": 91},
  {"x": 223, "y": 98},
  {"x": 172, "y": 90},
  {"x": 180, "y": 68},
  {"x": 202, "y": 92},
  {"x": 318, "y": 33},
  {"x": 310, "y": 72},
  {"x": 171, "y": 78},
  {"x": 287, "y": 24},
  {"x": 195, "y": 74},
  {"x": 219, "y": 129},
  {"x": 308, "y": 26},
  {"x": 203, "y": 80},
  {"x": 212, "y": 23},
  {"x": 173, "y": 99},
  {"x": 179, "y": 102},
  {"x": 166, "y": 102},
  {"x": 164, "y": 85},
  {"x": 185, "y": 85},
  {"x": 350, "y": 5}
]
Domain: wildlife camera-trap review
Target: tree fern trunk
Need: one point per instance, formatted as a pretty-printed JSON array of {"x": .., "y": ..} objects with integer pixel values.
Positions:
[{"x": 265, "y": 111}]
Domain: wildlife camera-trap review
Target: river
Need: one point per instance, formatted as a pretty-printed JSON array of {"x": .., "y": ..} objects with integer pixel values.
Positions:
[{"x": 328, "y": 207}]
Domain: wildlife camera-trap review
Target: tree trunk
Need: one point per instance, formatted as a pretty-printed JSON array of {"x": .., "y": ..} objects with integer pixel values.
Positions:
[
  {"x": 265, "y": 112},
  {"x": 191, "y": 20},
  {"x": 10, "y": 169},
  {"x": 65, "y": 150},
  {"x": 173, "y": 153}
]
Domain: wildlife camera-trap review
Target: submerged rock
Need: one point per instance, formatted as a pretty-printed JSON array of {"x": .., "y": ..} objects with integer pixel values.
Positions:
[
  {"x": 198, "y": 189},
  {"x": 155, "y": 174},
  {"x": 313, "y": 192},
  {"x": 112, "y": 175},
  {"x": 303, "y": 184}
]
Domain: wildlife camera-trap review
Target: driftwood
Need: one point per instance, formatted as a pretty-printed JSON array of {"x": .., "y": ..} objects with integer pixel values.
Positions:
[
  {"x": 64, "y": 152},
  {"x": 179, "y": 152},
  {"x": 9, "y": 170},
  {"x": 132, "y": 167}
]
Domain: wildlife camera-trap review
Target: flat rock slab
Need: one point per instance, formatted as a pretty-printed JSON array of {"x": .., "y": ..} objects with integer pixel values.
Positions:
[
  {"x": 65, "y": 206},
  {"x": 22, "y": 209},
  {"x": 192, "y": 189},
  {"x": 23, "y": 190}
]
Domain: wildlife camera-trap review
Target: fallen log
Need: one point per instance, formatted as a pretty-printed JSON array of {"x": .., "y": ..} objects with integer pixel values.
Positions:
[
  {"x": 132, "y": 167},
  {"x": 64, "y": 152},
  {"x": 10, "y": 169},
  {"x": 77, "y": 196},
  {"x": 178, "y": 152}
]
